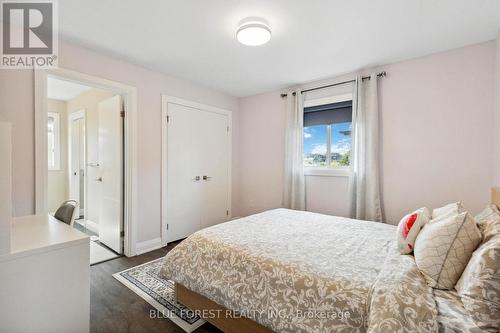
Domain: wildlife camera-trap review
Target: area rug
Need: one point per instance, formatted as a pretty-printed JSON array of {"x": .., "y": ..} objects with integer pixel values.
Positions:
[{"x": 144, "y": 280}]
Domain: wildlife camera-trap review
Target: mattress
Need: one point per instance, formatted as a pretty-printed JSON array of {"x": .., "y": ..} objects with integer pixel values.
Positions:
[{"x": 294, "y": 271}]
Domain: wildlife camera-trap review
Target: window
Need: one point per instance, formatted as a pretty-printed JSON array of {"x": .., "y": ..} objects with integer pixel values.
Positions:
[
  {"x": 53, "y": 141},
  {"x": 327, "y": 135}
]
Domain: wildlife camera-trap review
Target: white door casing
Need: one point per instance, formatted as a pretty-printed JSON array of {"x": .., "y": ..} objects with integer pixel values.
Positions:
[
  {"x": 74, "y": 184},
  {"x": 196, "y": 142},
  {"x": 129, "y": 94},
  {"x": 76, "y": 157},
  {"x": 111, "y": 172}
]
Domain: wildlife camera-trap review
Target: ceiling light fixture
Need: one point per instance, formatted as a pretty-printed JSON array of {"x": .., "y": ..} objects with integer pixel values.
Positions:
[{"x": 253, "y": 32}]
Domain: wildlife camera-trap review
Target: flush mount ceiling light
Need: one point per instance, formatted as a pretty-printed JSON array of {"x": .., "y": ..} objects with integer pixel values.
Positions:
[{"x": 253, "y": 32}]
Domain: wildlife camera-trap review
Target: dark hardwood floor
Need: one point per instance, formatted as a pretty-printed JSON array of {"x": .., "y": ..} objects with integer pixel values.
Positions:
[{"x": 115, "y": 308}]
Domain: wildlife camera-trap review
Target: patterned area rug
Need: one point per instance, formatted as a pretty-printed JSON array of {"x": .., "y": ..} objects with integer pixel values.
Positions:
[{"x": 145, "y": 282}]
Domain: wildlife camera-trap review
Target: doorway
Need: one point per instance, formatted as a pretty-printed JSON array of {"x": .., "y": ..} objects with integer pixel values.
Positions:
[
  {"x": 129, "y": 95},
  {"x": 91, "y": 163}
]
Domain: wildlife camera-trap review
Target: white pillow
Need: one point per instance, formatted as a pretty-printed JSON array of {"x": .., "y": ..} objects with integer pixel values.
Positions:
[
  {"x": 448, "y": 210},
  {"x": 443, "y": 249},
  {"x": 409, "y": 227}
]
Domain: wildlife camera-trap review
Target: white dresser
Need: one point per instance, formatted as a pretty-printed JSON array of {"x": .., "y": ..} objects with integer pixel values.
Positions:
[{"x": 45, "y": 279}]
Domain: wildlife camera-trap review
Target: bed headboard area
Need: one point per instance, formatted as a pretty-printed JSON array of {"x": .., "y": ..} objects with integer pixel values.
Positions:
[{"x": 495, "y": 196}]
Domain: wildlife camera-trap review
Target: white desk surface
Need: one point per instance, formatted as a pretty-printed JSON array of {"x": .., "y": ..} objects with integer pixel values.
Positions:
[{"x": 40, "y": 233}]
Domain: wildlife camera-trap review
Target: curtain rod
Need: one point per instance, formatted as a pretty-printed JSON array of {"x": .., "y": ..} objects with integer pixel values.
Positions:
[{"x": 381, "y": 74}]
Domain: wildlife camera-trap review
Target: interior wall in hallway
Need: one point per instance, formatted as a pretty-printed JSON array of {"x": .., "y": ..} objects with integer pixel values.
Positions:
[{"x": 57, "y": 181}]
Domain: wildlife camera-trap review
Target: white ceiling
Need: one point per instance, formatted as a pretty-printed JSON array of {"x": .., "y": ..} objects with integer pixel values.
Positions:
[
  {"x": 64, "y": 90},
  {"x": 311, "y": 39}
]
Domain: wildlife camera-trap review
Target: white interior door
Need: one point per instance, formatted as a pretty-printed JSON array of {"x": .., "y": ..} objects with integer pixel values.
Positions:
[
  {"x": 111, "y": 172},
  {"x": 184, "y": 174},
  {"x": 214, "y": 152},
  {"x": 77, "y": 161},
  {"x": 197, "y": 172}
]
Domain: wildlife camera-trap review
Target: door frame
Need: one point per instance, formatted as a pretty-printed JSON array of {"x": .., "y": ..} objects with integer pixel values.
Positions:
[
  {"x": 129, "y": 94},
  {"x": 80, "y": 114},
  {"x": 165, "y": 99}
]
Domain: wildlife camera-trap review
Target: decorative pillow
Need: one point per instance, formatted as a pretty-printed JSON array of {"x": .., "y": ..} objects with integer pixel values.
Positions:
[
  {"x": 488, "y": 222},
  {"x": 409, "y": 227},
  {"x": 443, "y": 249},
  {"x": 450, "y": 209},
  {"x": 479, "y": 286}
]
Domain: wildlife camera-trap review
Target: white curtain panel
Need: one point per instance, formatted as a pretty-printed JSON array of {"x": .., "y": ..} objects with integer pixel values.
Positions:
[
  {"x": 365, "y": 185},
  {"x": 294, "y": 187}
]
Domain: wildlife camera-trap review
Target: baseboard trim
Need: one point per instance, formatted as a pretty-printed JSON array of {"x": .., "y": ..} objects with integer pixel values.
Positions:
[
  {"x": 148, "y": 246},
  {"x": 91, "y": 225}
]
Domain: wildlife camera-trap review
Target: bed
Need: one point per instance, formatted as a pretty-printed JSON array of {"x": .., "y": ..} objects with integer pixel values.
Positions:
[{"x": 293, "y": 271}]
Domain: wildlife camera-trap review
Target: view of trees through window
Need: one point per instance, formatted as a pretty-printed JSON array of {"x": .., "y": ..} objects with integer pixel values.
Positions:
[{"x": 328, "y": 144}]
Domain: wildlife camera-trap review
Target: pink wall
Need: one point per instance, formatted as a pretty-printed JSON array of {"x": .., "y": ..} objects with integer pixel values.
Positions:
[
  {"x": 259, "y": 163},
  {"x": 328, "y": 195},
  {"x": 437, "y": 134},
  {"x": 16, "y": 106},
  {"x": 437, "y": 138}
]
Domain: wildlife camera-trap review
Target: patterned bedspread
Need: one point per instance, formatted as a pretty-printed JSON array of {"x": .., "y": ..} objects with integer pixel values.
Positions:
[{"x": 297, "y": 271}]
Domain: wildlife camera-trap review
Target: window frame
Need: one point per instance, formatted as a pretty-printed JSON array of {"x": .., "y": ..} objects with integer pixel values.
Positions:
[
  {"x": 328, "y": 170},
  {"x": 57, "y": 142}
]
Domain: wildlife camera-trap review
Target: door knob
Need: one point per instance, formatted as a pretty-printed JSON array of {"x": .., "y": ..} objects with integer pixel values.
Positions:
[
  {"x": 197, "y": 178},
  {"x": 99, "y": 179},
  {"x": 207, "y": 177}
]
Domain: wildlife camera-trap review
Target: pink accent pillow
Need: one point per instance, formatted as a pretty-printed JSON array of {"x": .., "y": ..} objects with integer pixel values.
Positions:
[{"x": 409, "y": 227}]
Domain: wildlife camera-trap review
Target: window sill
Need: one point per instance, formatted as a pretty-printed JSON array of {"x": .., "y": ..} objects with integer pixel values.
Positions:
[{"x": 327, "y": 172}]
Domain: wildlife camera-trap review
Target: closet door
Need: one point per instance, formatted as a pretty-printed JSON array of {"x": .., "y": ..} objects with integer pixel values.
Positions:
[
  {"x": 195, "y": 190},
  {"x": 183, "y": 196},
  {"x": 215, "y": 168}
]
